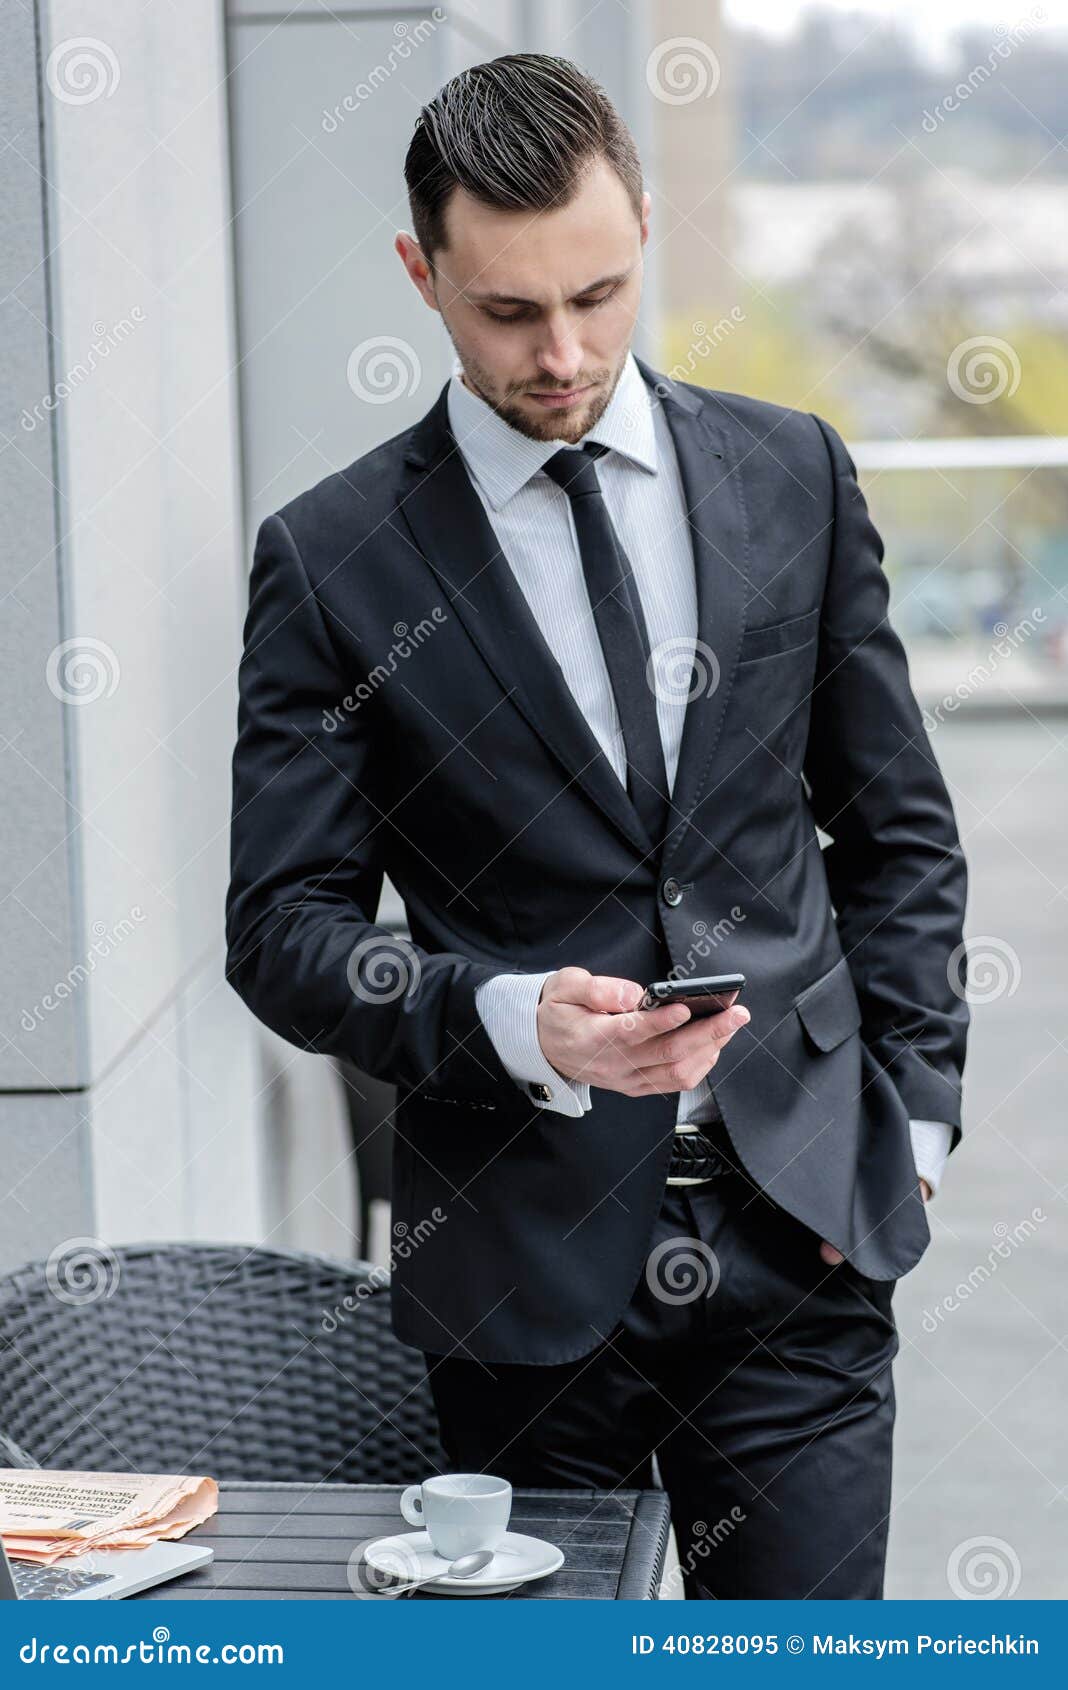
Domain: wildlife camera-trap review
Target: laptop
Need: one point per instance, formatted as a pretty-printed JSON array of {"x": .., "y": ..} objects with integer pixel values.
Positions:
[{"x": 99, "y": 1573}]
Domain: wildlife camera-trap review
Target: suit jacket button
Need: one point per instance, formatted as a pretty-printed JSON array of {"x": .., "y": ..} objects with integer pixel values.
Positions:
[
  {"x": 671, "y": 892},
  {"x": 541, "y": 1094}
]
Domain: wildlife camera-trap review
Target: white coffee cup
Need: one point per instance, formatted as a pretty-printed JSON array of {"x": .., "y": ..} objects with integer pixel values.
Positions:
[{"x": 462, "y": 1512}]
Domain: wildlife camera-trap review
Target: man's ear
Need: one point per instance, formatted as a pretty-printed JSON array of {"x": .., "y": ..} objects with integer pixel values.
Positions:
[
  {"x": 646, "y": 208},
  {"x": 419, "y": 270}
]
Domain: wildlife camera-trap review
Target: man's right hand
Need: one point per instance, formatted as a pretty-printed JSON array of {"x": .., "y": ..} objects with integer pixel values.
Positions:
[{"x": 591, "y": 1030}]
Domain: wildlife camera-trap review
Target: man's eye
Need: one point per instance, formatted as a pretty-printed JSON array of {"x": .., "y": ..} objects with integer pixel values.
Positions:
[
  {"x": 588, "y": 304},
  {"x": 506, "y": 316}
]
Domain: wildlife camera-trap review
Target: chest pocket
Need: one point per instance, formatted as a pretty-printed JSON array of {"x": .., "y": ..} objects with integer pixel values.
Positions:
[{"x": 778, "y": 638}]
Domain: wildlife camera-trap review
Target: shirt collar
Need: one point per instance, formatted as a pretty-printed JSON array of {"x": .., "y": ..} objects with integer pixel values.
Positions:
[{"x": 502, "y": 460}]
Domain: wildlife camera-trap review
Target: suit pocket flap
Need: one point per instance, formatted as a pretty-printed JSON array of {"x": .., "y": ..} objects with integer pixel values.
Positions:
[
  {"x": 828, "y": 1008},
  {"x": 778, "y": 638}
]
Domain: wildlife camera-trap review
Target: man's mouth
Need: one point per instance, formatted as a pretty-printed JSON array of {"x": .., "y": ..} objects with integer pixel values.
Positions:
[{"x": 558, "y": 399}]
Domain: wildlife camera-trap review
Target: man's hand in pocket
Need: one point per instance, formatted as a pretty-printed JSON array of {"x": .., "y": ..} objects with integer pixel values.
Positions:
[{"x": 832, "y": 1256}]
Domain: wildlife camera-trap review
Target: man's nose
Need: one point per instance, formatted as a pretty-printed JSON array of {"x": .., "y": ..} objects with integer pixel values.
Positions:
[{"x": 560, "y": 356}]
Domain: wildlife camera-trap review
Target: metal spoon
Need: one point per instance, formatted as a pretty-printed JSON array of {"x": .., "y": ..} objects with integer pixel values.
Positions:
[{"x": 464, "y": 1568}]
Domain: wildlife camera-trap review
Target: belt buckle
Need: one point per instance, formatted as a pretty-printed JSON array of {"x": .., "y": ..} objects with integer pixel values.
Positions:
[{"x": 699, "y": 1164}]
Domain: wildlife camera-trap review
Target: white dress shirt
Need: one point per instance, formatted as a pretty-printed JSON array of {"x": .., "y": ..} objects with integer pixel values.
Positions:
[{"x": 531, "y": 517}]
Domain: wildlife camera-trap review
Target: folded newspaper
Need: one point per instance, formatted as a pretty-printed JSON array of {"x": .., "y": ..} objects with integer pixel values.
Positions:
[{"x": 45, "y": 1514}]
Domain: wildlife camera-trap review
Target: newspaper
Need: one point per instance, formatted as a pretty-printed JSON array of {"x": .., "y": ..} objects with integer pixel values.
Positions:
[{"x": 45, "y": 1514}]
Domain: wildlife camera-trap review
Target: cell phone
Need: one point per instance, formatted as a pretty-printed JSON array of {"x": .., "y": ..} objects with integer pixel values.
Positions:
[{"x": 709, "y": 996}]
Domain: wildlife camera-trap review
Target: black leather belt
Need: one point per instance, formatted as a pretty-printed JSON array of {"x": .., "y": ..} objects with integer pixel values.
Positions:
[{"x": 695, "y": 1156}]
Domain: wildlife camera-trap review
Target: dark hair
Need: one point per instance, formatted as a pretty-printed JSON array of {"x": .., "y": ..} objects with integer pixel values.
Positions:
[{"x": 518, "y": 132}]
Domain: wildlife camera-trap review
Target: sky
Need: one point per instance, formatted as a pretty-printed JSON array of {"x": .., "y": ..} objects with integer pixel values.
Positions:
[{"x": 932, "y": 25}]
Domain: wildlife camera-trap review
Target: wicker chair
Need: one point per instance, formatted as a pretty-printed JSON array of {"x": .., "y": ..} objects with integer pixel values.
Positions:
[{"x": 203, "y": 1358}]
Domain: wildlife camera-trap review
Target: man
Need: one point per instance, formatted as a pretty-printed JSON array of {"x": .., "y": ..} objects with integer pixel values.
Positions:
[{"x": 581, "y": 661}]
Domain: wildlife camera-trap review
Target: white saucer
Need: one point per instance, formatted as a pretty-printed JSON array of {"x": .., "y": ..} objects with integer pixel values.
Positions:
[{"x": 516, "y": 1559}]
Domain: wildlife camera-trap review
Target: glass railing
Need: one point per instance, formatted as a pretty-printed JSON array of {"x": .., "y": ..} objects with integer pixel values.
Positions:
[{"x": 976, "y": 535}]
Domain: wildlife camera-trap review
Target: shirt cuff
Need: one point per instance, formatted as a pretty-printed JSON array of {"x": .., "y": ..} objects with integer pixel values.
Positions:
[
  {"x": 508, "y": 1007},
  {"x": 930, "y": 1147}
]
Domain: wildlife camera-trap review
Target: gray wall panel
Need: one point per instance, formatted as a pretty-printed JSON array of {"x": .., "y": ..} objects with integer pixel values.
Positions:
[
  {"x": 38, "y": 1031},
  {"x": 120, "y": 499},
  {"x": 319, "y": 193},
  {"x": 45, "y": 1198}
]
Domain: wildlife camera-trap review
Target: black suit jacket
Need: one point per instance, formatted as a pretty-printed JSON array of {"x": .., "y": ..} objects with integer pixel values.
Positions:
[{"x": 400, "y": 712}]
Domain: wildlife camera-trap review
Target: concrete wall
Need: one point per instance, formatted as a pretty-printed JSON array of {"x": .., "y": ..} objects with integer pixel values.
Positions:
[
  {"x": 196, "y": 244},
  {"x": 129, "y": 1070}
]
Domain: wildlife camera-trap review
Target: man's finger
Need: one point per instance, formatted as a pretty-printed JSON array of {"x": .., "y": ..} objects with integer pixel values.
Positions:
[
  {"x": 602, "y": 992},
  {"x": 637, "y": 1028},
  {"x": 709, "y": 1033},
  {"x": 659, "y": 1073}
]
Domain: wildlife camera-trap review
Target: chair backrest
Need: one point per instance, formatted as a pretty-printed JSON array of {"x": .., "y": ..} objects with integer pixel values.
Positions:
[{"x": 199, "y": 1358}]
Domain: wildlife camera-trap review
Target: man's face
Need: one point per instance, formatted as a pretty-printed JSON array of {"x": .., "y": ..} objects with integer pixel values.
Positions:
[{"x": 540, "y": 306}]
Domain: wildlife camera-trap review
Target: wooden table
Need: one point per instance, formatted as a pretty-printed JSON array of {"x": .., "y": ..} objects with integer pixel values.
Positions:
[{"x": 283, "y": 1542}]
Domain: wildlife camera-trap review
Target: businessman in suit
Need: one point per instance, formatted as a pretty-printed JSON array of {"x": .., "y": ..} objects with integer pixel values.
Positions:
[{"x": 582, "y": 660}]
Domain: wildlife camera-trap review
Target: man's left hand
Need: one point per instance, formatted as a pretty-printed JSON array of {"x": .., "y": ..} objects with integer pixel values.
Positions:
[{"x": 832, "y": 1256}]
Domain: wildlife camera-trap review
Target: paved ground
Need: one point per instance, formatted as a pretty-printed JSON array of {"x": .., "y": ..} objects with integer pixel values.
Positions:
[{"x": 983, "y": 1377}]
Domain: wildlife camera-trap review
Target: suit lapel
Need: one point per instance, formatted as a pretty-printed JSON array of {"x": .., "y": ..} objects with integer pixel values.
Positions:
[
  {"x": 711, "y": 484},
  {"x": 453, "y": 533}
]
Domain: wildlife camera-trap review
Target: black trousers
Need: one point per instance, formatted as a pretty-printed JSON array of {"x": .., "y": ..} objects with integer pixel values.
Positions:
[{"x": 759, "y": 1377}]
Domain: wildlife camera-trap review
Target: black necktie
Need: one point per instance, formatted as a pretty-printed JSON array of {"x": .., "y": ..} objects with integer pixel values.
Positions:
[{"x": 617, "y": 612}]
